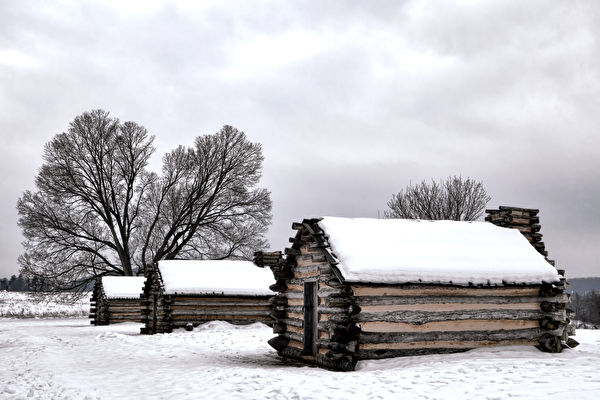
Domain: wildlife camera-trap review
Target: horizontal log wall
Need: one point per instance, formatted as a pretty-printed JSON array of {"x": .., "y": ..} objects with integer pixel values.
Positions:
[
  {"x": 124, "y": 310},
  {"x": 105, "y": 311},
  {"x": 235, "y": 309},
  {"x": 423, "y": 319}
]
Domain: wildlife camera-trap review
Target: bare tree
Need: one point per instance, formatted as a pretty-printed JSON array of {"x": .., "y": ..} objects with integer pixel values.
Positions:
[
  {"x": 455, "y": 199},
  {"x": 205, "y": 205},
  {"x": 97, "y": 211}
]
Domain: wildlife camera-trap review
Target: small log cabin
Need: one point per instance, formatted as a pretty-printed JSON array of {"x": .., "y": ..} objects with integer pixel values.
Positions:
[
  {"x": 182, "y": 292},
  {"x": 116, "y": 299},
  {"x": 355, "y": 289}
]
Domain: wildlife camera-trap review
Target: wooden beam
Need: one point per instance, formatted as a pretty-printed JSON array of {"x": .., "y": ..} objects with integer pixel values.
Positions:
[
  {"x": 453, "y": 326},
  {"x": 449, "y": 307},
  {"x": 443, "y": 291},
  {"x": 449, "y": 344}
]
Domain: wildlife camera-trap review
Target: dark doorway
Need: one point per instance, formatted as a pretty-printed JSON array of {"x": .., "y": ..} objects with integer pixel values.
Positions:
[
  {"x": 310, "y": 317},
  {"x": 154, "y": 313}
]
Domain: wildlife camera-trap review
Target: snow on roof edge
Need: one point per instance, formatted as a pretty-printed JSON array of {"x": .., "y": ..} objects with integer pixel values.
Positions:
[
  {"x": 532, "y": 267},
  {"x": 215, "y": 277},
  {"x": 123, "y": 287}
]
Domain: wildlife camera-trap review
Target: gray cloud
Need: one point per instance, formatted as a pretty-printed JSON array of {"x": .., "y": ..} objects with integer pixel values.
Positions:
[{"x": 350, "y": 101}]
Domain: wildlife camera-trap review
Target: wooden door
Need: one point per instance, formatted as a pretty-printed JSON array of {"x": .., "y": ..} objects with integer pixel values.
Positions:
[{"x": 310, "y": 317}]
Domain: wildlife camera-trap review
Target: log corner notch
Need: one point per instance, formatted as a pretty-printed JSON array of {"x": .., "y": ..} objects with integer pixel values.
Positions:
[
  {"x": 527, "y": 221},
  {"x": 98, "y": 306},
  {"x": 267, "y": 259}
]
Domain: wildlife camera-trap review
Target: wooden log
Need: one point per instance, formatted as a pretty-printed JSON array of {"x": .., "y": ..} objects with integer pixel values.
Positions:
[
  {"x": 381, "y": 354},
  {"x": 279, "y": 286},
  {"x": 278, "y": 301},
  {"x": 443, "y": 291},
  {"x": 294, "y": 336},
  {"x": 393, "y": 337},
  {"x": 292, "y": 321},
  {"x": 295, "y": 329},
  {"x": 294, "y": 315},
  {"x": 325, "y": 310},
  {"x": 181, "y": 299},
  {"x": 295, "y": 287},
  {"x": 338, "y": 301},
  {"x": 416, "y": 300},
  {"x": 123, "y": 303},
  {"x": 137, "y": 315},
  {"x": 291, "y": 251},
  {"x": 215, "y": 317},
  {"x": 448, "y": 344},
  {"x": 292, "y": 294},
  {"x": 309, "y": 274},
  {"x": 422, "y": 317},
  {"x": 433, "y": 307},
  {"x": 324, "y": 316},
  {"x": 552, "y": 307},
  {"x": 551, "y": 324},
  {"x": 519, "y": 210},
  {"x": 124, "y": 309},
  {"x": 279, "y": 327},
  {"x": 295, "y": 302},
  {"x": 218, "y": 308},
  {"x": 219, "y": 305},
  {"x": 549, "y": 290},
  {"x": 449, "y": 326},
  {"x": 550, "y": 343}
]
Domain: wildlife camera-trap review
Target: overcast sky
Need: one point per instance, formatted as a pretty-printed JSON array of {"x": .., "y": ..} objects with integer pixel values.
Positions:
[{"x": 351, "y": 101}]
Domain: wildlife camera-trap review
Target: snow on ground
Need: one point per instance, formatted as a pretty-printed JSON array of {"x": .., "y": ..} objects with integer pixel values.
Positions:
[
  {"x": 29, "y": 305},
  {"x": 71, "y": 359}
]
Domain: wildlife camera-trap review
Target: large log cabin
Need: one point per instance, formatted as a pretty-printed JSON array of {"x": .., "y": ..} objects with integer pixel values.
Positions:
[
  {"x": 356, "y": 289},
  {"x": 116, "y": 299},
  {"x": 187, "y": 293}
]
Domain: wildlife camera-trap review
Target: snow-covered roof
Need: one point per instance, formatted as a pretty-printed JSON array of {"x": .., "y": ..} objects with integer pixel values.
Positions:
[
  {"x": 226, "y": 277},
  {"x": 456, "y": 252},
  {"x": 123, "y": 287}
]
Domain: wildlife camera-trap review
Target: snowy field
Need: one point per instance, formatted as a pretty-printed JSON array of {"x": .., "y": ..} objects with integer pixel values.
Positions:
[
  {"x": 28, "y": 305},
  {"x": 64, "y": 358}
]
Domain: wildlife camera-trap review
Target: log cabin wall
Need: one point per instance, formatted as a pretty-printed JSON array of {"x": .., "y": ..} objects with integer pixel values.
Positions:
[
  {"x": 401, "y": 320},
  {"x": 106, "y": 311},
  {"x": 198, "y": 309},
  {"x": 165, "y": 312}
]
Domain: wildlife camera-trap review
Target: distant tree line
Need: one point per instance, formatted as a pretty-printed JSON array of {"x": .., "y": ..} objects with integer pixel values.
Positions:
[
  {"x": 15, "y": 284},
  {"x": 586, "y": 306},
  {"x": 22, "y": 283}
]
